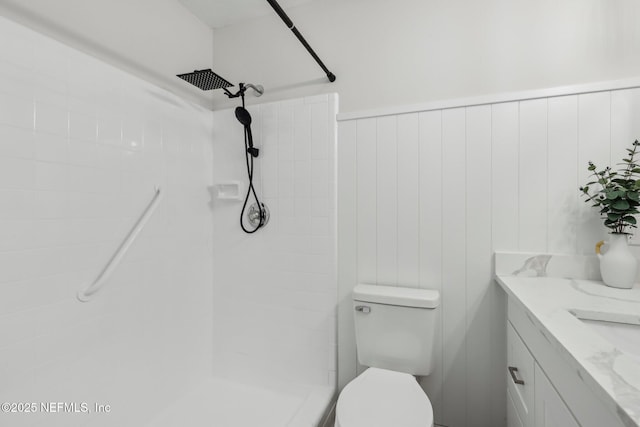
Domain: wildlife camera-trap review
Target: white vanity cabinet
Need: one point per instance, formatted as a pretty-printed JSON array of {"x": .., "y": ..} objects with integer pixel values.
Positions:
[
  {"x": 520, "y": 380},
  {"x": 550, "y": 410},
  {"x": 542, "y": 389},
  {"x": 532, "y": 401}
]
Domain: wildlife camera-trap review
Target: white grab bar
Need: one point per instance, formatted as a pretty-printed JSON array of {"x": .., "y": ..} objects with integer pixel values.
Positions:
[{"x": 87, "y": 293}]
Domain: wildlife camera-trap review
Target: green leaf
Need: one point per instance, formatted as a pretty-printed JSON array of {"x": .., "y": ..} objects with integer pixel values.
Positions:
[
  {"x": 614, "y": 216},
  {"x": 630, "y": 219},
  {"x": 633, "y": 195},
  {"x": 620, "y": 205},
  {"x": 612, "y": 194}
]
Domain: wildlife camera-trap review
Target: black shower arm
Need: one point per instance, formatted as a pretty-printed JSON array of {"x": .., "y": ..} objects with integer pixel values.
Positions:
[
  {"x": 233, "y": 95},
  {"x": 259, "y": 90},
  {"x": 274, "y": 4}
]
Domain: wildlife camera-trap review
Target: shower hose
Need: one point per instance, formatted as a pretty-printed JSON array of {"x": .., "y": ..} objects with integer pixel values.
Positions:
[{"x": 250, "y": 189}]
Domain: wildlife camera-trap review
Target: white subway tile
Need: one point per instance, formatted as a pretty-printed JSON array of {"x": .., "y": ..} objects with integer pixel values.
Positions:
[
  {"x": 50, "y": 204},
  {"x": 17, "y": 204},
  {"x": 16, "y": 173},
  {"x": 110, "y": 129},
  {"x": 82, "y": 126},
  {"x": 51, "y": 148},
  {"x": 32, "y": 234},
  {"x": 17, "y": 111},
  {"x": 153, "y": 137},
  {"x": 302, "y": 134},
  {"x": 322, "y": 206},
  {"x": 133, "y": 135},
  {"x": 16, "y": 142},
  {"x": 320, "y": 131},
  {"x": 302, "y": 179},
  {"x": 302, "y": 207},
  {"x": 52, "y": 119},
  {"x": 51, "y": 176}
]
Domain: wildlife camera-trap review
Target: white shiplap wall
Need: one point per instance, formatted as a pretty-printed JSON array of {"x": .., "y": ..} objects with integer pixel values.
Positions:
[{"x": 426, "y": 197}]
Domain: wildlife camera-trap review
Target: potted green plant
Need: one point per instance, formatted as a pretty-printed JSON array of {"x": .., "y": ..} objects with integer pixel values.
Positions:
[{"x": 617, "y": 196}]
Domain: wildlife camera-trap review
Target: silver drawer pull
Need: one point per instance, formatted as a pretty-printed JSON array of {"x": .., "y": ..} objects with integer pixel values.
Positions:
[
  {"x": 512, "y": 371},
  {"x": 363, "y": 309}
]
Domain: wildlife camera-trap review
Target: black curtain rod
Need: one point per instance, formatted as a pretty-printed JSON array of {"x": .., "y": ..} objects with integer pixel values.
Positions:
[{"x": 274, "y": 4}]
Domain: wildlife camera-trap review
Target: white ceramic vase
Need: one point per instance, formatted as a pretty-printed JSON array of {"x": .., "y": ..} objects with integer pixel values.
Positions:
[{"x": 618, "y": 266}]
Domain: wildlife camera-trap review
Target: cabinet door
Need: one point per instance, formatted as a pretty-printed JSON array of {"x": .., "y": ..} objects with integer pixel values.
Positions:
[
  {"x": 513, "y": 419},
  {"x": 550, "y": 410},
  {"x": 519, "y": 376}
]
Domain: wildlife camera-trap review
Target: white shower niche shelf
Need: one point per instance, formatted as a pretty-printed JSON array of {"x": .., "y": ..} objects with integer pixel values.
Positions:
[{"x": 232, "y": 191}]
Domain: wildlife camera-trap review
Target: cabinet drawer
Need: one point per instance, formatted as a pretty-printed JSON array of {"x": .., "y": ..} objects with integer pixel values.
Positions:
[{"x": 520, "y": 376}]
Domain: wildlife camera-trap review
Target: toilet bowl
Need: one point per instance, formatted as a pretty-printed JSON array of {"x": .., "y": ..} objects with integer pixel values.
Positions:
[{"x": 383, "y": 398}]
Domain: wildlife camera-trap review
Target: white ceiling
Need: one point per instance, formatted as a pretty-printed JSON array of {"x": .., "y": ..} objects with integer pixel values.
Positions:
[{"x": 220, "y": 13}]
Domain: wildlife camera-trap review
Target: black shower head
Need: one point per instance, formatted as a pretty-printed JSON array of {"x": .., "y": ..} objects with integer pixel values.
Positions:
[
  {"x": 205, "y": 80},
  {"x": 243, "y": 116}
]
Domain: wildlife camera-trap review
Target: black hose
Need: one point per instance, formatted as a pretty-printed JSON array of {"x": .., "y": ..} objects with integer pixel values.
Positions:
[{"x": 250, "y": 190}]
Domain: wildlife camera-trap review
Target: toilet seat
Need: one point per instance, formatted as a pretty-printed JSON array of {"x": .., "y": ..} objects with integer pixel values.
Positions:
[{"x": 383, "y": 398}]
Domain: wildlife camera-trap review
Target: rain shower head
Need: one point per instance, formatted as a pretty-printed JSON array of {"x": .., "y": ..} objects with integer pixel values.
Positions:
[{"x": 205, "y": 80}]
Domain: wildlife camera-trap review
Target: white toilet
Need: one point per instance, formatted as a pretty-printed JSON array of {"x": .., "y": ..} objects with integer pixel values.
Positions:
[{"x": 395, "y": 331}]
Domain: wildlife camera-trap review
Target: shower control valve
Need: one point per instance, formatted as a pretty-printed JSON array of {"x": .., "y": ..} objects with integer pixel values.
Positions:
[{"x": 257, "y": 216}]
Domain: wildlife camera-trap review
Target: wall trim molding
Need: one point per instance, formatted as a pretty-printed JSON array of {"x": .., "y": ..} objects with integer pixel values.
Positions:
[{"x": 603, "y": 86}]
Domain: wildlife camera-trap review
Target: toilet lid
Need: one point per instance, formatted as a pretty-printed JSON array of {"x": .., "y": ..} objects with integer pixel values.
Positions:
[{"x": 383, "y": 398}]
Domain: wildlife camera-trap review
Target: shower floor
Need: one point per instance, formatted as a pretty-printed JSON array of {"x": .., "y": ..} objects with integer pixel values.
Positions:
[{"x": 222, "y": 403}]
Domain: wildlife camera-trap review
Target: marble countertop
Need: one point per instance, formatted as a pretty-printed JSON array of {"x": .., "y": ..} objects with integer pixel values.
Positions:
[{"x": 557, "y": 303}]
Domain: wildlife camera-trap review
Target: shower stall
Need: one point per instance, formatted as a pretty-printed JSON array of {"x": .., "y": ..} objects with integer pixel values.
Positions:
[{"x": 129, "y": 295}]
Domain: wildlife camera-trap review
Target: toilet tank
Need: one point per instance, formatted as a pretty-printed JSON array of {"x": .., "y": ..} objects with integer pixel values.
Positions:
[{"x": 396, "y": 327}]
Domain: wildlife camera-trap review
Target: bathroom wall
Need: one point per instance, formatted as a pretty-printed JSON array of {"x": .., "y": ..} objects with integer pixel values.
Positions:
[
  {"x": 410, "y": 51},
  {"x": 153, "y": 39},
  {"x": 275, "y": 290},
  {"x": 426, "y": 197},
  {"x": 82, "y": 146}
]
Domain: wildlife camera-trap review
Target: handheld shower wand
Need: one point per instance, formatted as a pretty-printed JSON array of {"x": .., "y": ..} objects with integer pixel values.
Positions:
[{"x": 244, "y": 118}]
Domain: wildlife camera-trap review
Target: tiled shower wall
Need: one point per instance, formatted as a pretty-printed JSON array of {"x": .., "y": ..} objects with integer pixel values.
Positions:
[
  {"x": 427, "y": 197},
  {"x": 82, "y": 146},
  {"x": 275, "y": 290}
]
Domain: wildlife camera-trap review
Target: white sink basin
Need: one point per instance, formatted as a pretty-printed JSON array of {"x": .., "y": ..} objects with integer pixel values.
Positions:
[{"x": 624, "y": 336}]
